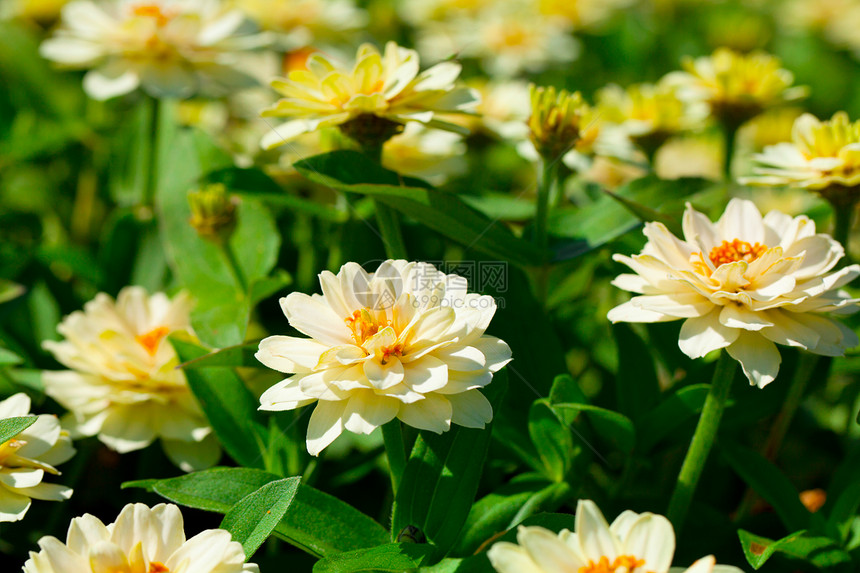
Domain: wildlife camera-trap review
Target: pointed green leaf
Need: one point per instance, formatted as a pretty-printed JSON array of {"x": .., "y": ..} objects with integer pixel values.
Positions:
[{"x": 253, "y": 518}]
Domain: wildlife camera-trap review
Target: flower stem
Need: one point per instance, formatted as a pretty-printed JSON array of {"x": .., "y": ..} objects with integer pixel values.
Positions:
[
  {"x": 151, "y": 184},
  {"x": 547, "y": 179},
  {"x": 389, "y": 227},
  {"x": 703, "y": 440},
  {"x": 730, "y": 131},
  {"x": 392, "y": 437}
]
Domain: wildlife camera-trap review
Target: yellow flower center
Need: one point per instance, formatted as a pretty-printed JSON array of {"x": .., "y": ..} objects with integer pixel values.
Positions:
[
  {"x": 9, "y": 448},
  {"x": 364, "y": 326},
  {"x": 152, "y": 339},
  {"x": 153, "y": 11},
  {"x": 604, "y": 566},
  {"x": 737, "y": 250}
]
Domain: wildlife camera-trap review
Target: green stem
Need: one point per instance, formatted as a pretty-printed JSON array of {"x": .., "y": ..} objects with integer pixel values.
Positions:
[
  {"x": 703, "y": 440},
  {"x": 843, "y": 217},
  {"x": 149, "y": 190},
  {"x": 546, "y": 181},
  {"x": 389, "y": 227},
  {"x": 392, "y": 437}
]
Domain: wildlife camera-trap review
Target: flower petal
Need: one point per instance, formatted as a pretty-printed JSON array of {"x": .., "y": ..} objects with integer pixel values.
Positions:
[{"x": 758, "y": 356}]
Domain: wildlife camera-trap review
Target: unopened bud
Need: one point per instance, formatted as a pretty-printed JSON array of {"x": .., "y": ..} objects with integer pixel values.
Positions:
[
  {"x": 213, "y": 212},
  {"x": 560, "y": 121}
]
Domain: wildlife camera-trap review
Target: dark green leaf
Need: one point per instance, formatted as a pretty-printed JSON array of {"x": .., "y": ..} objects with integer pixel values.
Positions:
[
  {"x": 820, "y": 551},
  {"x": 637, "y": 388},
  {"x": 441, "y": 478},
  {"x": 612, "y": 426},
  {"x": 230, "y": 357},
  {"x": 256, "y": 515},
  {"x": 351, "y": 171},
  {"x": 11, "y": 427},
  {"x": 390, "y": 557},
  {"x": 9, "y": 358},
  {"x": 229, "y": 406},
  {"x": 315, "y": 521},
  {"x": 771, "y": 484},
  {"x": 552, "y": 439},
  {"x": 671, "y": 414}
]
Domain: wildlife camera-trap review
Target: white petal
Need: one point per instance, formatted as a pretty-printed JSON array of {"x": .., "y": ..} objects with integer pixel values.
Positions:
[
  {"x": 366, "y": 411},
  {"x": 758, "y": 356},
  {"x": 739, "y": 316},
  {"x": 191, "y": 456},
  {"x": 651, "y": 538},
  {"x": 13, "y": 506},
  {"x": 285, "y": 395},
  {"x": 511, "y": 558},
  {"x": 426, "y": 374},
  {"x": 290, "y": 354},
  {"x": 629, "y": 312},
  {"x": 316, "y": 319},
  {"x": 496, "y": 352},
  {"x": 550, "y": 553},
  {"x": 325, "y": 425},
  {"x": 702, "y": 335},
  {"x": 741, "y": 220},
  {"x": 15, "y": 406},
  {"x": 102, "y": 84},
  {"x": 595, "y": 538},
  {"x": 470, "y": 409},
  {"x": 21, "y": 477},
  {"x": 433, "y": 413}
]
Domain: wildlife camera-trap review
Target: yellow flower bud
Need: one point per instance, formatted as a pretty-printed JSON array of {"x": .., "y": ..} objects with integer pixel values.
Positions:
[
  {"x": 560, "y": 121},
  {"x": 213, "y": 212}
]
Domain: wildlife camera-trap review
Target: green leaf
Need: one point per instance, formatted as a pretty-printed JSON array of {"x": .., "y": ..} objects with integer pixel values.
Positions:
[
  {"x": 441, "y": 478},
  {"x": 670, "y": 415},
  {"x": 502, "y": 207},
  {"x": 612, "y": 426},
  {"x": 266, "y": 287},
  {"x": 636, "y": 386},
  {"x": 11, "y": 427},
  {"x": 770, "y": 483},
  {"x": 820, "y": 551},
  {"x": 10, "y": 291},
  {"x": 230, "y": 357},
  {"x": 391, "y": 557},
  {"x": 844, "y": 511},
  {"x": 229, "y": 406},
  {"x": 607, "y": 218},
  {"x": 9, "y": 358},
  {"x": 220, "y": 316},
  {"x": 445, "y": 213},
  {"x": 508, "y": 506},
  {"x": 315, "y": 522},
  {"x": 552, "y": 439},
  {"x": 256, "y": 184},
  {"x": 256, "y": 515}
]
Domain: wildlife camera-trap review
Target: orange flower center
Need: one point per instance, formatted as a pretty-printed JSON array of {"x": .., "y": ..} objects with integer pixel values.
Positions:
[
  {"x": 364, "y": 325},
  {"x": 604, "y": 566},
  {"x": 153, "y": 11},
  {"x": 156, "y": 567},
  {"x": 152, "y": 339},
  {"x": 737, "y": 250}
]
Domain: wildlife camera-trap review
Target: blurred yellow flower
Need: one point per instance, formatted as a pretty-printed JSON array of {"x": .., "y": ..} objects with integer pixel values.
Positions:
[
  {"x": 406, "y": 341},
  {"x": 634, "y": 542},
  {"x": 169, "y": 48},
  {"x": 649, "y": 113},
  {"x": 141, "y": 540},
  {"x": 583, "y": 14},
  {"x": 381, "y": 92},
  {"x": 38, "y": 10},
  {"x": 561, "y": 121},
  {"x": 737, "y": 86},
  {"x": 27, "y": 457},
  {"x": 428, "y": 154},
  {"x": 123, "y": 384},
  {"x": 743, "y": 284},
  {"x": 820, "y": 156},
  {"x": 300, "y": 23}
]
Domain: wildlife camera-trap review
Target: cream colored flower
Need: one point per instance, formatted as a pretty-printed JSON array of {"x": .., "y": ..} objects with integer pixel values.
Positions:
[
  {"x": 428, "y": 154},
  {"x": 737, "y": 86},
  {"x": 123, "y": 384},
  {"x": 506, "y": 37},
  {"x": 385, "y": 86},
  {"x": 649, "y": 113},
  {"x": 141, "y": 540},
  {"x": 169, "y": 48},
  {"x": 743, "y": 284},
  {"x": 406, "y": 341},
  {"x": 504, "y": 109},
  {"x": 300, "y": 23},
  {"x": 634, "y": 543},
  {"x": 820, "y": 155},
  {"x": 27, "y": 457}
]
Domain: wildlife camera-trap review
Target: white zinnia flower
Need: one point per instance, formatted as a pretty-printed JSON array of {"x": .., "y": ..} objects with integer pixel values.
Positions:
[
  {"x": 406, "y": 341},
  {"x": 141, "y": 540},
  {"x": 821, "y": 154},
  {"x": 170, "y": 48},
  {"x": 743, "y": 284},
  {"x": 386, "y": 86},
  {"x": 634, "y": 543},
  {"x": 27, "y": 457},
  {"x": 123, "y": 384}
]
